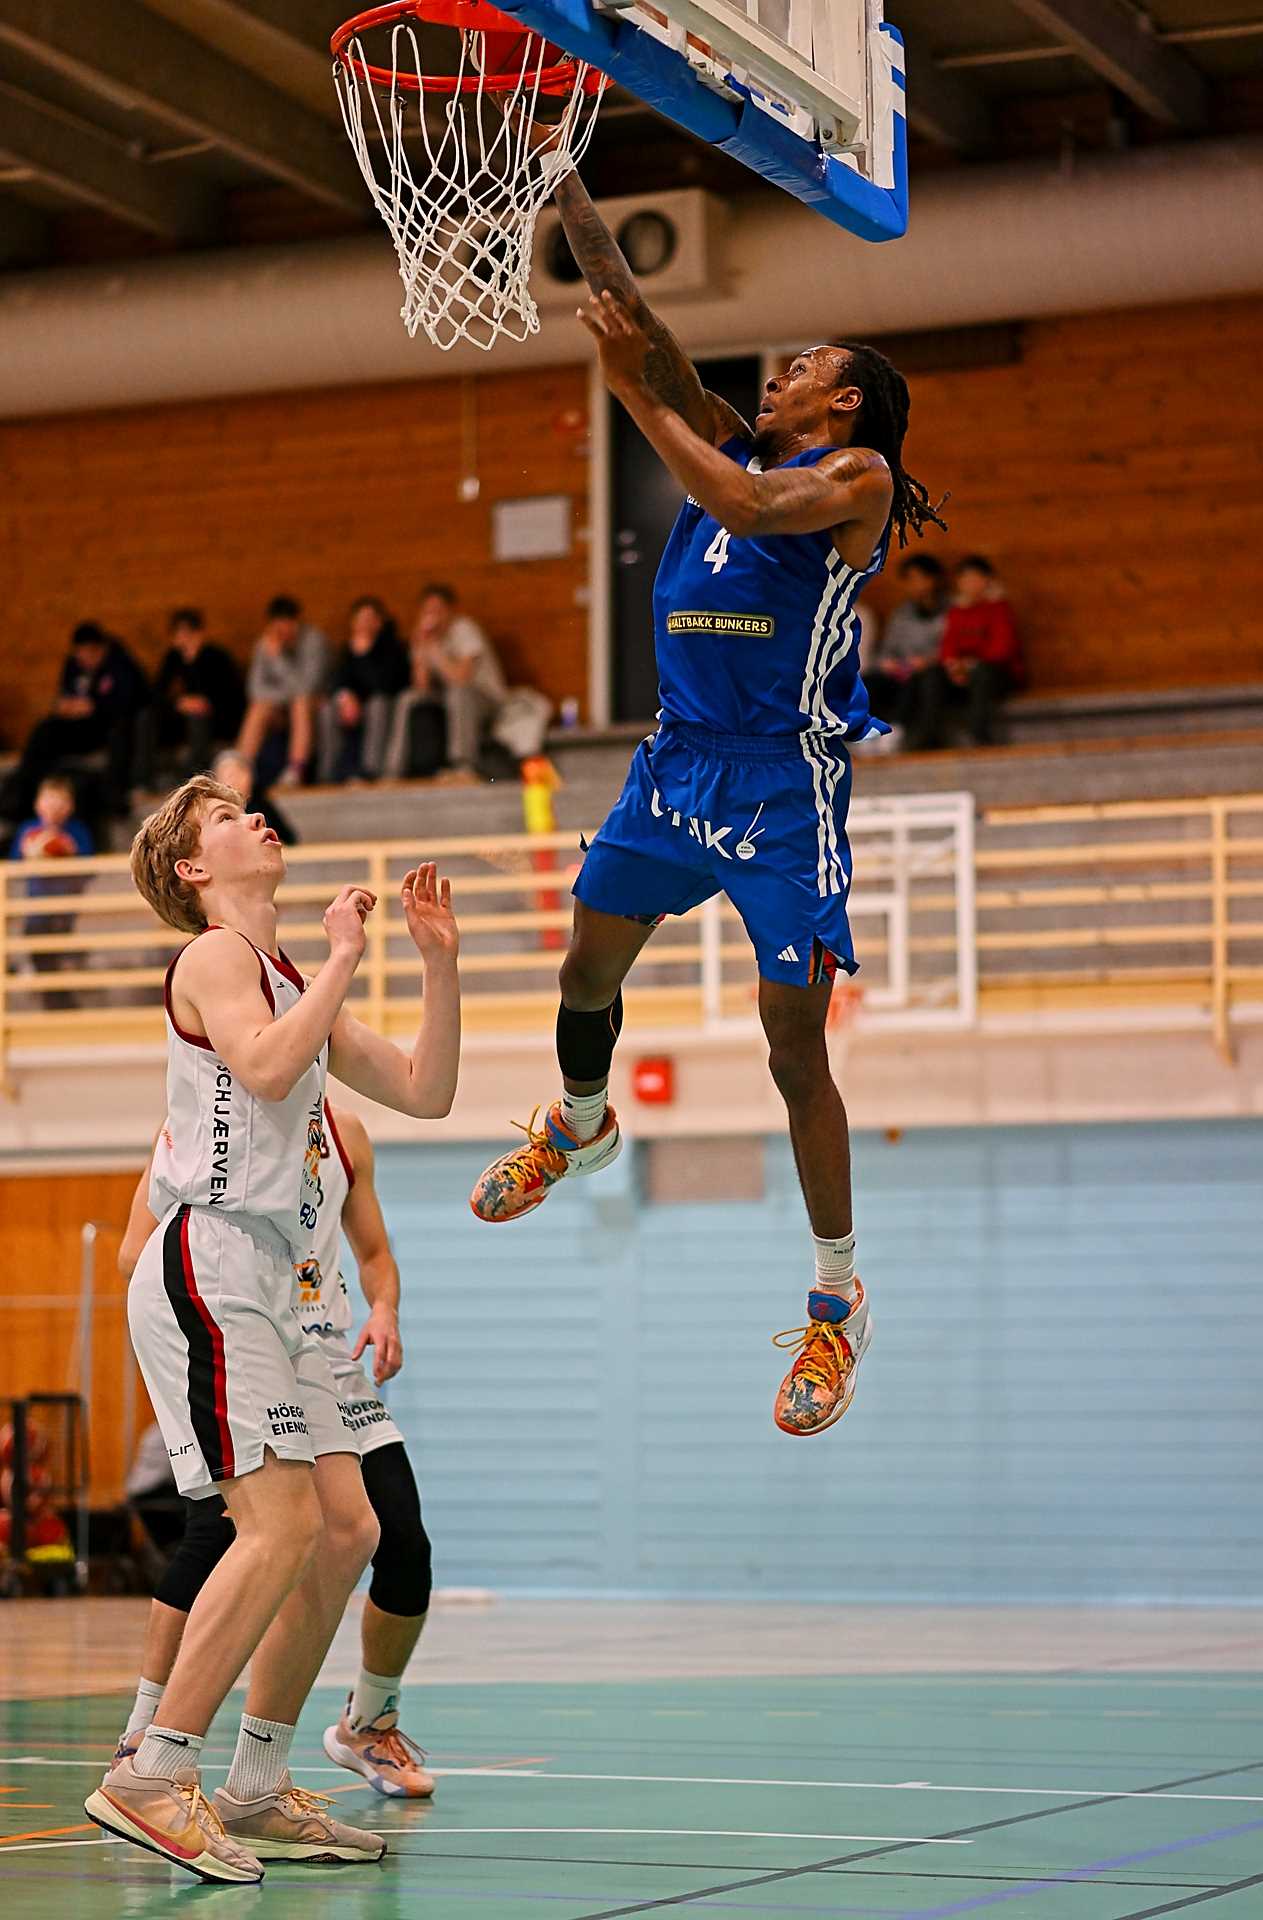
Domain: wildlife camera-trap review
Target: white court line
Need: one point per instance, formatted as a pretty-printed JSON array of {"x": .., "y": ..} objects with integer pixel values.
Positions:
[
  {"x": 658, "y": 1833},
  {"x": 851, "y": 1786},
  {"x": 701, "y": 1780},
  {"x": 38, "y": 1846},
  {"x": 692, "y": 1833},
  {"x": 219, "y": 1763}
]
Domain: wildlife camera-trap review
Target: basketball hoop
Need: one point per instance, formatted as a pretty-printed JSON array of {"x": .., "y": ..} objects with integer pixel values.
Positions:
[{"x": 459, "y": 164}]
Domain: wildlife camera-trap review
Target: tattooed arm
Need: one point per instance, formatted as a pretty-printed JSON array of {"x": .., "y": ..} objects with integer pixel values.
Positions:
[
  {"x": 668, "y": 371},
  {"x": 849, "y": 487}
]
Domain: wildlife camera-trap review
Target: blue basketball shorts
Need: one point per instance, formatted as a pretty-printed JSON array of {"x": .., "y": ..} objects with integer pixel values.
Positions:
[{"x": 762, "y": 820}]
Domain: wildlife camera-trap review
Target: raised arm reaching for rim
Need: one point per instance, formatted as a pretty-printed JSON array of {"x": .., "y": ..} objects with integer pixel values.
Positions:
[{"x": 668, "y": 372}]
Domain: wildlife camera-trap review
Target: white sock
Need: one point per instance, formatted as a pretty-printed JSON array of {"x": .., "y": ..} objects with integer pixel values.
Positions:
[
  {"x": 261, "y": 1758},
  {"x": 148, "y": 1694},
  {"x": 835, "y": 1265},
  {"x": 583, "y": 1113},
  {"x": 373, "y": 1695},
  {"x": 165, "y": 1751}
]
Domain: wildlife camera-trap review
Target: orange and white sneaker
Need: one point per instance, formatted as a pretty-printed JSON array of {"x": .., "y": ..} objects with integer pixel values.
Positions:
[
  {"x": 820, "y": 1385},
  {"x": 171, "y": 1817},
  {"x": 520, "y": 1181},
  {"x": 288, "y": 1824},
  {"x": 392, "y": 1764}
]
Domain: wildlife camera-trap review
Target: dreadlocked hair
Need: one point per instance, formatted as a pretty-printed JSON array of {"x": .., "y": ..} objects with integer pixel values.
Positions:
[{"x": 885, "y": 422}]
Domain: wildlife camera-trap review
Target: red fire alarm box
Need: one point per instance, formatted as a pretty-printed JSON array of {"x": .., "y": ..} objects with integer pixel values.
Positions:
[{"x": 653, "y": 1081}]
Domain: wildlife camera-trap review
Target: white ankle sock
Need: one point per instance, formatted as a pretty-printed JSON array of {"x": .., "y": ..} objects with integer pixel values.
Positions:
[
  {"x": 148, "y": 1694},
  {"x": 583, "y": 1113},
  {"x": 374, "y": 1694},
  {"x": 835, "y": 1265},
  {"x": 261, "y": 1758},
  {"x": 165, "y": 1751}
]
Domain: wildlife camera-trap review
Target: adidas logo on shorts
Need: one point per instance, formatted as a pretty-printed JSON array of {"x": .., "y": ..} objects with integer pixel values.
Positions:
[{"x": 788, "y": 953}]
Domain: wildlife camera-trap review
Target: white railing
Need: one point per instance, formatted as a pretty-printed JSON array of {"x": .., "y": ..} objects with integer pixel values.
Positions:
[
  {"x": 1138, "y": 905},
  {"x": 911, "y": 909}
]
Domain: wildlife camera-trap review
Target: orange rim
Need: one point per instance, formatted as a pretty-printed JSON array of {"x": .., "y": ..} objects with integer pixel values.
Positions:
[{"x": 505, "y": 39}]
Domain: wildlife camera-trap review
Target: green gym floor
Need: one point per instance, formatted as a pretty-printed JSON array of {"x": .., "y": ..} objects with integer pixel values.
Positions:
[{"x": 603, "y": 1760}]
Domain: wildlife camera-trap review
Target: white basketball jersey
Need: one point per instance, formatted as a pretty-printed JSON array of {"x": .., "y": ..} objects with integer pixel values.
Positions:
[
  {"x": 225, "y": 1150},
  {"x": 324, "y": 1305}
]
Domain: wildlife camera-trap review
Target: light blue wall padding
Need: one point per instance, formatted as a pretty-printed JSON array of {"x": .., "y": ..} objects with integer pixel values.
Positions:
[{"x": 1064, "y": 1401}]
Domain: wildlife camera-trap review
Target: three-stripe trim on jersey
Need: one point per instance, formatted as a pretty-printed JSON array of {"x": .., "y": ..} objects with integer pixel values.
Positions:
[
  {"x": 832, "y": 637},
  {"x": 207, "y": 1375}
]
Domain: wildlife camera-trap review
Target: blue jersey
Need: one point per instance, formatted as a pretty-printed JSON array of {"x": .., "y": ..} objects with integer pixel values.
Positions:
[{"x": 760, "y": 636}]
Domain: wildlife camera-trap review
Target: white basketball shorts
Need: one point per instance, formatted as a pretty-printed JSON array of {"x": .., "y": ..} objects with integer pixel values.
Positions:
[
  {"x": 229, "y": 1370},
  {"x": 363, "y": 1409}
]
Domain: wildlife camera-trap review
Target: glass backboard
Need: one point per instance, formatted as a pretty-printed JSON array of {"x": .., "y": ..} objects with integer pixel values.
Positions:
[{"x": 807, "y": 93}]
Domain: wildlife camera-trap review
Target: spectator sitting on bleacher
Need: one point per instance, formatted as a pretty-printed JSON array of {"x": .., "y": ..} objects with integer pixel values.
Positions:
[
  {"x": 980, "y": 660},
  {"x": 198, "y": 696},
  {"x": 236, "y": 771},
  {"x": 54, "y": 832},
  {"x": 456, "y": 681},
  {"x": 101, "y": 695},
  {"x": 907, "y": 651},
  {"x": 284, "y": 685},
  {"x": 355, "y": 720}
]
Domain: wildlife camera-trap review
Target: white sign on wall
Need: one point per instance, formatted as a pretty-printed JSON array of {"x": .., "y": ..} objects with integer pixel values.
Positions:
[{"x": 534, "y": 529}]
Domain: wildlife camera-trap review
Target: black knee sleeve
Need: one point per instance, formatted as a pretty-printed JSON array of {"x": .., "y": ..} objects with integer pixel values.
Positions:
[
  {"x": 402, "y": 1572},
  {"x": 208, "y": 1534},
  {"x": 585, "y": 1041}
]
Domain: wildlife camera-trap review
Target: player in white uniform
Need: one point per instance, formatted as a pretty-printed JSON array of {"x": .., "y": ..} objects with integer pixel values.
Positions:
[
  {"x": 246, "y": 1402},
  {"x": 367, "y": 1738},
  {"x": 324, "y": 1301}
]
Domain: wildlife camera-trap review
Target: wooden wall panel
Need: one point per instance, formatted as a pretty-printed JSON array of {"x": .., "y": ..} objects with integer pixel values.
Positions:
[
  {"x": 121, "y": 516},
  {"x": 1115, "y": 476},
  {"x": 41, "y": 1222}
]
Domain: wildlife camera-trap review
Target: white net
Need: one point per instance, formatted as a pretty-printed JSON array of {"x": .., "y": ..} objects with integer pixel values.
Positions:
[{"x": 459, "y": 169}]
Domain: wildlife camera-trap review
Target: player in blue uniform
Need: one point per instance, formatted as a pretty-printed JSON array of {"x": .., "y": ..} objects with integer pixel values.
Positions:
[{"x": 744, "y": 787}]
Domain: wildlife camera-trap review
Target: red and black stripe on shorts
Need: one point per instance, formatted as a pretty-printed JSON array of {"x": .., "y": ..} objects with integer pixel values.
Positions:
[
  {"x": 824, "y": 965},
  {"x": 208, "y": 1380}
]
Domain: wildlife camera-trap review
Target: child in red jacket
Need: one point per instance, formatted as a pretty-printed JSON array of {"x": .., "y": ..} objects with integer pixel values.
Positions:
[{"x": 980, "y": 660}]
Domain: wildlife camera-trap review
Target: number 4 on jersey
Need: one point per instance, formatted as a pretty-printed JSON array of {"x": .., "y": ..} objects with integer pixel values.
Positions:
[{"x": 716, "y": 554}]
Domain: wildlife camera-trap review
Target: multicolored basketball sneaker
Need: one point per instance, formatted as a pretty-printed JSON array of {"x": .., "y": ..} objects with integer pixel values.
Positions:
[
  {"x": 820, "y": 1385},
  {"x": 392, "y": 1764},
  {"x": 291, "y": 1824},
  {"x": 172, "y": 1818},
  {"x": 520, "y": 1181}
]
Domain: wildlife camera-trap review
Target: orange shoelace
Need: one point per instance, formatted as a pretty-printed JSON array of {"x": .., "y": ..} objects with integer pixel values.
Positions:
[
  {"x": 517, "y": 1169},
  {"x": 824, "y": 1356},
  {"x": 300, "y": 1801},
  {"x": 398, "y": 1749},
  {"x": 201, "y": 1812}
]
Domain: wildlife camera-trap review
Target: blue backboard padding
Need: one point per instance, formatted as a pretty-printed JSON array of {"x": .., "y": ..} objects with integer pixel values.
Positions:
[
  {"x": 647, "y": 68},
  {"x": 815, "y": 177}
]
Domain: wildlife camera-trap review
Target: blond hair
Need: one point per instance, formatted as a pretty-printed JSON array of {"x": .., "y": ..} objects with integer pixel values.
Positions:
[{"x": 172, "y": 834}]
